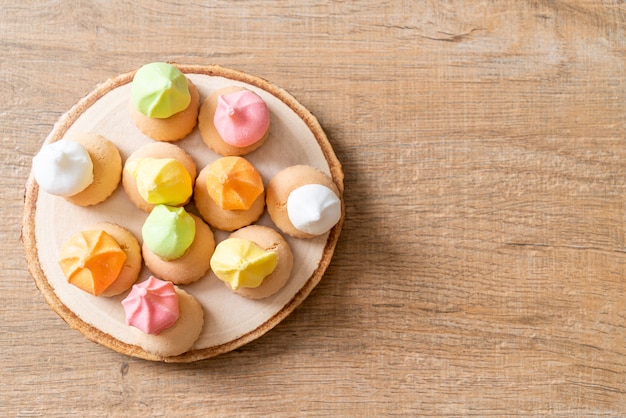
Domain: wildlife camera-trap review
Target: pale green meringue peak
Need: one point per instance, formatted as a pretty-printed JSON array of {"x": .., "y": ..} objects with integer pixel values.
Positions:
[
  {"x": 168, "y": 231},
  {"x": 160, "y": 90}
]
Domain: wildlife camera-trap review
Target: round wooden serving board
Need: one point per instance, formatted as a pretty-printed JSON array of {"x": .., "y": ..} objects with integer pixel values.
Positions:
[{"x": 230, "y": 320}]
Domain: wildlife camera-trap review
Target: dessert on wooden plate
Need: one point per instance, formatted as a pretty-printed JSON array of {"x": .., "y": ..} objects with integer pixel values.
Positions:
[
  {"x": 234, "y": 121},
  {"x": 83, "y": 168},
  {"x": 164, "y": 102},
  {"x": 146, "y": 269},
  {"x": 103, "y": 259},
  {"x": 177, "y": 246},
  {"x": 303, "y": 202},
  {"x": 159, "y": 173},
  {"x": 254, "y": 262},
  {"x": 165, "y": 319},
  {"x": 229, "y": 193}
]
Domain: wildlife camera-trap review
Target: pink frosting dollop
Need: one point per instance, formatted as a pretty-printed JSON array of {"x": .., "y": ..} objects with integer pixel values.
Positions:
[
  {"x": 241, "y": 118},
  {"x": 151, "y": 306}
]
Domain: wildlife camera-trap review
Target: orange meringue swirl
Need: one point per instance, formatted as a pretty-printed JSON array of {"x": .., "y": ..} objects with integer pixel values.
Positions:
[
  {"x": 92, "y": 261},
  {"x": 234, "y": 183}
]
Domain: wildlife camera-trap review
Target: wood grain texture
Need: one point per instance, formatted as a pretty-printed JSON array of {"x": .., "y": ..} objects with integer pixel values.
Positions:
[{"x": 481, "y": 268}]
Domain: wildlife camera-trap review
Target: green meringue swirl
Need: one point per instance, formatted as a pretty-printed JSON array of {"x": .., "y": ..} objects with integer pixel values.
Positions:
[
  {"x": 160, "y": 90},
  {"x": 168, "y": 231}
]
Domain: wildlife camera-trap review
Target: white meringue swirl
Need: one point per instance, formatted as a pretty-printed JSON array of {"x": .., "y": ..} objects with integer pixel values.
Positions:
[
  {"x": 313, "y": 208},
  {"x": 63, "y": 168}
]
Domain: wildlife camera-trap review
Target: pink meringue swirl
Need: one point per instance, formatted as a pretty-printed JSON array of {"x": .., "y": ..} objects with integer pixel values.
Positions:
[
  {"x": 241, "y": 118},
  {"x": 151, "y": 306}
]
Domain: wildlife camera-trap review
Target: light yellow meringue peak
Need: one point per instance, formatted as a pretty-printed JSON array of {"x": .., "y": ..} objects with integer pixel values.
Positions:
[
  {"x": 161, "y": 180},
  {"x": 242, "y": 263}
]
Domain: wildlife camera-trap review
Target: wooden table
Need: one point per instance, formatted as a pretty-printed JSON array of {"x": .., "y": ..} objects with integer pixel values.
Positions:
[{"x": 481, "y": 268}]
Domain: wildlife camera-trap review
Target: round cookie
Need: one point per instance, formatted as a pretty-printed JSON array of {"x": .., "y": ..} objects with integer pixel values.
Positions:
[
  {"x": 269, "y": 240},
  {"x": 180, "y": 337},
  {"x": 107, "y": 169},
  {"x": 282, "y": 184},
  {"x": 128, "y": 243},
  {"x": 155, "y": 150},
  {"x": 91, "y": 257},
  {"x": 209, "y": 133},
  {"x": 192, "y": 265},
  {"x": 176, "y": 127},
  {"x": 222, "y": 219}
]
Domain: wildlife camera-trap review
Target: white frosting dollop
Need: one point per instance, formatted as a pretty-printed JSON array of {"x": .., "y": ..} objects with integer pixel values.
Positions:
[
  {"x": 63, "y": 168},
  {"x": 313, "y": 208}
]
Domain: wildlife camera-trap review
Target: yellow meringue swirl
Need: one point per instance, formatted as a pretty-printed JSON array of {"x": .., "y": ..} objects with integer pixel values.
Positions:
[{"x": 242, "y": 263}]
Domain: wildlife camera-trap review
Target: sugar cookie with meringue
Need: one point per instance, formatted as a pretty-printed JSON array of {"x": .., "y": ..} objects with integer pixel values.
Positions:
[
  {"x": 164, "y": 102},
  {"x": 234, "y": 121},
  {"x": 229, "y": 193},
  {"x": 177, "y": 246},
  {"x": 166, "y": 320},
  {"x": 254, "y": 262},
  {"x": 103, "y": 259},
  {"x": 303, "y": 202},
  {"x": 85, "y": 168},
  {"x": 159, "y": 173}
]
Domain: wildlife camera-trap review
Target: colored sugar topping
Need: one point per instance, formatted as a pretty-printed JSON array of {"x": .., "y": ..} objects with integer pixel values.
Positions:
[
  {"x": 92, "y": 261},
  {"x": 168, "y": 231},
  {"x": 233, "y": 183},
  {"x": 63, "y": 168},
  {"x": 151, "y": 306},
  {"x": 241, "y": 118},
  {"x": 242, "y": 263},
  {"x": 161, "y": 180},
  {"x": 160, "y": 90},
  {"x": 313, "y": 208}
]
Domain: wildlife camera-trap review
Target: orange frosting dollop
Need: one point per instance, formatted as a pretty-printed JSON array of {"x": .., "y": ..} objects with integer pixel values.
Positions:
[
  {"x": 92, "y": 261},
  {"x": 233, "y": 183}
]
